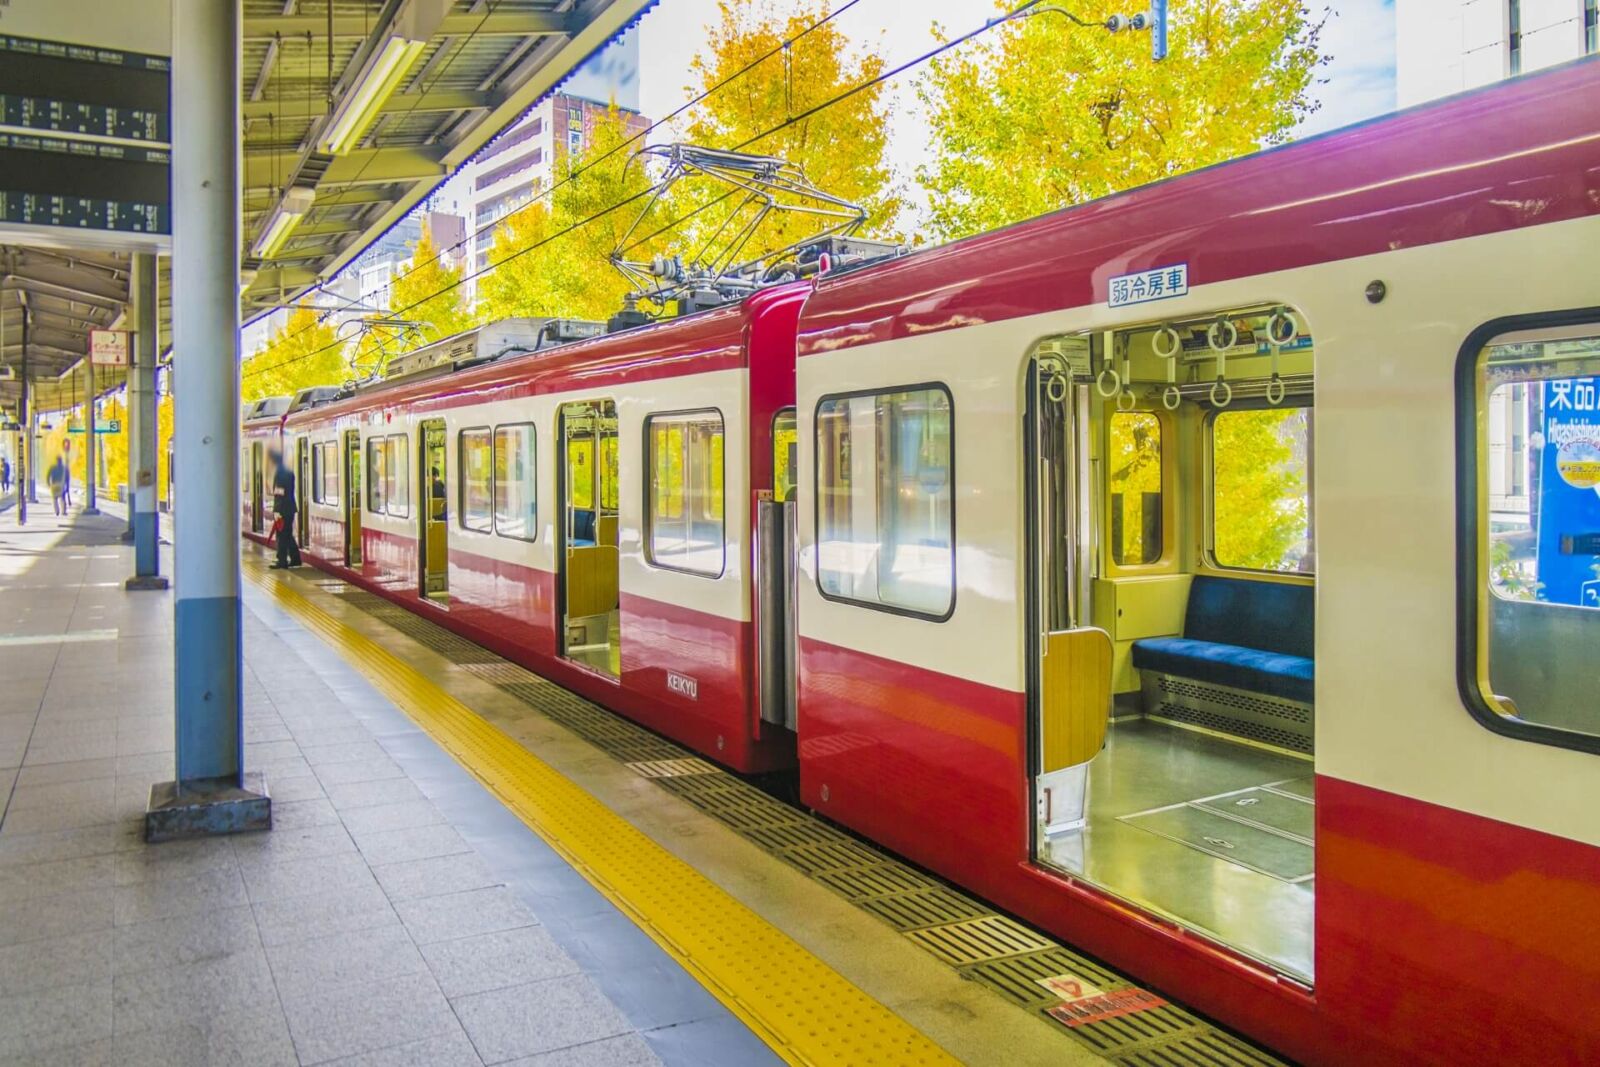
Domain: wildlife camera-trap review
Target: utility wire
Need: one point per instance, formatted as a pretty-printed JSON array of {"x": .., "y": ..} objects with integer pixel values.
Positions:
[
  {"x": 579, "y": 171},
  {"x": 932, "y": 53}
]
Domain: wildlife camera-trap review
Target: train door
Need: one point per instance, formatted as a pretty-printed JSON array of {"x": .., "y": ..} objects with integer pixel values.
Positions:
[
  {"x": 434, "y": 522},
  {"x": 1171, "y": 555},
  {"x": 588, "y": 558},
  {"x": 257, "y": 470},
  {"x": 352, "y": 498},
  {"x": 302, "y": 489},
  {"x": 775, "y": 577}
]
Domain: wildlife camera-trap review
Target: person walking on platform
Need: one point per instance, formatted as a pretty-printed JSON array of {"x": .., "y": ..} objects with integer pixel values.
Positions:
[
  {"x": 5, "y": 475},
  {"x": 285, "y": 506},
  {"x": 56, "y": 478}
]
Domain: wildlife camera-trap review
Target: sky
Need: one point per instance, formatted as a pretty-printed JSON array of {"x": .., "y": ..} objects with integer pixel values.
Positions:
[{"x": 1358, "y": 37}]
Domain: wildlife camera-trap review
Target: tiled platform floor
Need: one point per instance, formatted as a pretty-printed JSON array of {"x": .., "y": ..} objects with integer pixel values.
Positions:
[{"x": 395, "y": 915}]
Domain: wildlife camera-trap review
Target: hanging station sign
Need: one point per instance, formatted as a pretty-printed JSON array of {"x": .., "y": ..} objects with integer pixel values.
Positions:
[
  {"x": 85, "y": 123},
  {"x": 108, "y": 348}
]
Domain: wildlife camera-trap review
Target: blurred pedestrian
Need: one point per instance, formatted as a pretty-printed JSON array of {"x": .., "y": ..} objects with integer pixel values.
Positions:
[
  {"x": 56, "y": 478},
  {"x": 286, "y": 506}
]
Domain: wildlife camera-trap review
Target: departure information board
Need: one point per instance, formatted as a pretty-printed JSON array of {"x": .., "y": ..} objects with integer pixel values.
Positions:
[{"x": 85, "y": 137}]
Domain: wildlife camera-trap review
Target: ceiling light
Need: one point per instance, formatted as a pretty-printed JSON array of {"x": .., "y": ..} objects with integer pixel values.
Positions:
[
  {"x": 359, "y": 105},
  {"x": 297, "y": 200}
]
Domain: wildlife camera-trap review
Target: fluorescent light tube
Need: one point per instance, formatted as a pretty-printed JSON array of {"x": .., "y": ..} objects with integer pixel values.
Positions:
[
  {"x": 285, "y": 217},
  {"x": 361, "y": 102}
]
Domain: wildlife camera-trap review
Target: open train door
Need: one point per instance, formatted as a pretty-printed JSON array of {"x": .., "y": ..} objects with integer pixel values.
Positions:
[
  {"x": 587, "y": 560},
  {"x": 302, "y": 489},
  {"x": 352, "y": 498},
  {"x": 435, "y": 526},
  {"x": 1069, "y": 663},
  {"x": 257, "y": 468}
]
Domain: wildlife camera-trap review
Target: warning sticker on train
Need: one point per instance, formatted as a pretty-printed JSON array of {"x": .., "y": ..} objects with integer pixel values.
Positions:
[{"x": 1158, "y": 283}]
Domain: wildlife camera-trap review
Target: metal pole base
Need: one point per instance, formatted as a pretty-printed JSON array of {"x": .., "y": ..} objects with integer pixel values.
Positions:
[
  {"x": 145, "y": 581},
  {"x": 207, "y": 807},
  {"x": 90, "y": 511}
]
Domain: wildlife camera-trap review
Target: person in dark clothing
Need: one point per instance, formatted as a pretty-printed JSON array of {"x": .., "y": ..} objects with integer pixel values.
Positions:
[
  {"x": 285, "y": 506},
  {"x": 5, "y": 475}
]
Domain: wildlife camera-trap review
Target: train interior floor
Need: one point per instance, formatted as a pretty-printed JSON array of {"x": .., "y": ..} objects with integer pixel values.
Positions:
[{"x": 1213, "y": 832}]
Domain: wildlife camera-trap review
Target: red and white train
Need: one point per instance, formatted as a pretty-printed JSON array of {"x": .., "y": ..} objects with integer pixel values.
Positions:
[{"x": 1241, "y": 457}]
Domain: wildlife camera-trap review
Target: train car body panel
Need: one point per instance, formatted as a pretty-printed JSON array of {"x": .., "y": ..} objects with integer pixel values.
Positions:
[{"x": 1434, "y": 836}]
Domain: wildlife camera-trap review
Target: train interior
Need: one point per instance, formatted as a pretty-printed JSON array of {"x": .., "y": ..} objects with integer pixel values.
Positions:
[
  {"x": 589, "y": 573},
  {"x": 1170, "y": 494}
]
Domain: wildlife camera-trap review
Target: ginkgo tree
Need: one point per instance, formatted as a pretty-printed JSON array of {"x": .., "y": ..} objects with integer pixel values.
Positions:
[
  {"x": 426, "y": 290},
  {"x": 305, "y": 351},
  {"x": 1042, "y": 113}
]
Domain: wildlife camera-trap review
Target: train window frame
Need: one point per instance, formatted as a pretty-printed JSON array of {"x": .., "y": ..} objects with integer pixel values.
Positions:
[
  {"x": 1167, "y": 560},
  {"x": 375, "y": 501},
  {"x": 817, "y": 495},
  {"x": 793, "y": 417},
  {"x": 465, "y": 517},
  {"x": 1471, "y": 535},
  {"x": 321, "y": 468},
  {"x": 494, "y": 480},
  {"x": 1211, "y": 563},
  {"x": 650, "y": 498},
  {"x": 397, "y": 449}
]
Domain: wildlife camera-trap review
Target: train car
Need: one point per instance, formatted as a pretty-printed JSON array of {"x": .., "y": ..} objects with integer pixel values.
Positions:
[
  {"x": 593, "y": 510},
  {"x": 1230, "y": 455}
]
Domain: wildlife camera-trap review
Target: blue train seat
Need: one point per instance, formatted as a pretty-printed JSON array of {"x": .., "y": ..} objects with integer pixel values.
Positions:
[
  {"x": 1250, "y": 635},
  {"x": 582, "y": 527}
]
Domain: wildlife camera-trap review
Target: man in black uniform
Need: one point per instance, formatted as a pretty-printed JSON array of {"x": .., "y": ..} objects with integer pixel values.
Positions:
[{"x": 285, "y": 506}]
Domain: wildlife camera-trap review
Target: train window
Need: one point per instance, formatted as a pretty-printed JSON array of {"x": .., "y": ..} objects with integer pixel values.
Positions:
[
  {"x": 1530, "y": 453},
  {"x": 785, "y": 443},
  {"x": 515, "y": 490},
  {"x": 377, "y": 466},
  {"x": 684, "y": 513},
  {"x": 1135, "y": 483},
  {"x": 396, "y": 476},
  {"x": 885, "y": 500},
  {"x": 474, "y": 457},
  {"x": 1261, "y": 473},
  {"x": 326, "y": 476}
]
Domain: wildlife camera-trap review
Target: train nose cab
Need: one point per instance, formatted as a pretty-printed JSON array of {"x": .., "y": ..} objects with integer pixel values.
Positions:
[{"x": 1173, "y": 562}]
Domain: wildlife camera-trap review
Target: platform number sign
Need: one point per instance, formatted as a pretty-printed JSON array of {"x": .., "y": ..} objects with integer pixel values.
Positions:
[{"x": 1158, "y": 283}]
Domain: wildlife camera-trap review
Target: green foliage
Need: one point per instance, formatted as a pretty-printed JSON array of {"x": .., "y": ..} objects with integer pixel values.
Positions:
[
  {"x": 302, "y": 353},
  {"x": 568, "y": 274},
  {"x": 1508, "y": 574},
  {"x": 1260, "y": 502},
  {"x": 427, "y": 273},
  {"x": 1039, "y": 114}
]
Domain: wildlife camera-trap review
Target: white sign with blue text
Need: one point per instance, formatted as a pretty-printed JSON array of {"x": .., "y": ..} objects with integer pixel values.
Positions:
[{"x": 1158, "y": 283}]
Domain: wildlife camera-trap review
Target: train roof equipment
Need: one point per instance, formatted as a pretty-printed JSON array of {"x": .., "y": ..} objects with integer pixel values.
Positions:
[{"x": 489, "y": 342}]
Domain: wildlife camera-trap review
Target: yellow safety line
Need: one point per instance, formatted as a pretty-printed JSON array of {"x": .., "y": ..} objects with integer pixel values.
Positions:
[{"x": 805, "y": 1010}]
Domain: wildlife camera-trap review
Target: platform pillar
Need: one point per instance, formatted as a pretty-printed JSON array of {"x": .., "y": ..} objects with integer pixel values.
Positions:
[
  {"x": 211, "y": 793},
  {"x": 143, "y": 522},
  {"x": 91, "y": 444}
]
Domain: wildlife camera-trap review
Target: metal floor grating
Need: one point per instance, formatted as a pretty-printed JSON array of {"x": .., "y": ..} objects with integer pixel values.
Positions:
[{"x": 1117, "y": 1020}]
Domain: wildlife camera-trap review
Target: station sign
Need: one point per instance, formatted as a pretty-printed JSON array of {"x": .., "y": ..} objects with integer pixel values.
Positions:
[
  {"x": 108, "y": 348},
  {"x": 1569, "y": 493}
]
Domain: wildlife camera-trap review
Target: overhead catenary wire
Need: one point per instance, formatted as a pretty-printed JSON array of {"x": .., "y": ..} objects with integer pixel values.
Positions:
[
  {"x": 837, "y": 98},
  {"x": 573, "y": 175}
]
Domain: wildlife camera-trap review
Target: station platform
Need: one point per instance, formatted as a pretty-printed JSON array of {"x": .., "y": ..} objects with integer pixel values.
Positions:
[{"x": 468, "y": 865}]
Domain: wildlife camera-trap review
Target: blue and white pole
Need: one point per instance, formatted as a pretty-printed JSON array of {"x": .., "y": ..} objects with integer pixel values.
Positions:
[{"x": 211, "y": 794}]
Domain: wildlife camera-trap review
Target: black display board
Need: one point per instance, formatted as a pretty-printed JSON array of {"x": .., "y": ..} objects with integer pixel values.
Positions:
[{"x": 85, "y": 137}]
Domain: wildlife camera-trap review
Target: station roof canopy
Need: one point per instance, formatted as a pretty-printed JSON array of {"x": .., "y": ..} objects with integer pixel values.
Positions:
[{"x": 355, "y": 110}]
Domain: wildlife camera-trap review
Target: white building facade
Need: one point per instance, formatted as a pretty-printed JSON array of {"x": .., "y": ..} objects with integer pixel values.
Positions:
[{"x": 1446, "y": 46}]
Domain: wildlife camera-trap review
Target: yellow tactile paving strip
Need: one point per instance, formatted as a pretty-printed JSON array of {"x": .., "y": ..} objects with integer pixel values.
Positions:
[{"x": 806, "y": 1011}]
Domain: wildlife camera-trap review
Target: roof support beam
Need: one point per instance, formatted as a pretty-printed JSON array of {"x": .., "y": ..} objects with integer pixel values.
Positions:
[
  {"x": 364, "y": 166},
  {"x": 418, "y": 103},
  {"x": 500, "y": 24}
]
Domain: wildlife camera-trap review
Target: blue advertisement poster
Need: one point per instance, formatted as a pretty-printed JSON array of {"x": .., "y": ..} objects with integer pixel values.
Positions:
[{"x": 1569, "y": 493}]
